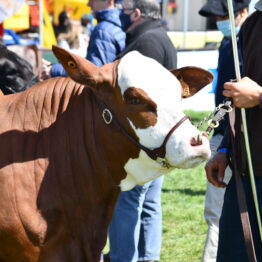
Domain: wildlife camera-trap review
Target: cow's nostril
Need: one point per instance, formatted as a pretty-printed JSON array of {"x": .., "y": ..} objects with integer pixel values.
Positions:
[{"x": 196, "y": 141}]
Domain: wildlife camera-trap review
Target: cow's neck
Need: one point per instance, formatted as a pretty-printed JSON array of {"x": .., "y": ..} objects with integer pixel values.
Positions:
[{"x": 89, "y": 175}]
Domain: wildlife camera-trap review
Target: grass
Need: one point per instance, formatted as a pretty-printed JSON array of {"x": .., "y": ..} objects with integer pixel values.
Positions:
[{"x": 184, "y": 227}]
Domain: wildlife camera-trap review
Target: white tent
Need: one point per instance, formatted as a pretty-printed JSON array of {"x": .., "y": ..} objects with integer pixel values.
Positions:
[{"x": 8, "y": 8}]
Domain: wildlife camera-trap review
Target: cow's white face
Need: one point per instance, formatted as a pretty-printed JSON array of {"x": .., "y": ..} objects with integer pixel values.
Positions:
[{"x": 163, "y": 88}]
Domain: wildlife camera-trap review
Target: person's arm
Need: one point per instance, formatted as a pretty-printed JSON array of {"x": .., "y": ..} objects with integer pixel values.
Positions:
[
  {"x": 245, "y": 94},
  {"x": 57, "y": 70},
  {"x": 216, "y": 166},
  {"x": 225, "y": 145},
  {"x": 51, "y": 70}
]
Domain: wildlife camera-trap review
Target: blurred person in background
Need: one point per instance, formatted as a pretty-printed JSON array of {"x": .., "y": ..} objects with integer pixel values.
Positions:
[
  {"x": 75, "y": 39},
  {"x": 226, "y": 71},
  {"x": 63, "y": 23},
  {"x": 87, "y": 21},
  {"x": 135, "y": 231},
  {"x": 106, "y": 41},
  {"x": 108, "y": 38}
]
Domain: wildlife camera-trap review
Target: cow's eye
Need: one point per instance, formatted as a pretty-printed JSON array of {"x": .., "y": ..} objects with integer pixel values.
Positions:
[
  {"x": 71, "y": 64},
  {"x": 133, "y": 100}
]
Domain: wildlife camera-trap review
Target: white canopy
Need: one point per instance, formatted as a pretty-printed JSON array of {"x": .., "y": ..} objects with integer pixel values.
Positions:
[{"x": 8, "y": 8}]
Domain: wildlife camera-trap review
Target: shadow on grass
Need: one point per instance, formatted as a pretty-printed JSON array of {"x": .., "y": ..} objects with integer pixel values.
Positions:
[{"x": 185, "y": 191}]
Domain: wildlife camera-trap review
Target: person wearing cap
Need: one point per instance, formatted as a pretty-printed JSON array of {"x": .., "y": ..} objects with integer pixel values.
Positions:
[
  {"x": 246, "y": 93},
  {"x": 226, "y": 71}
]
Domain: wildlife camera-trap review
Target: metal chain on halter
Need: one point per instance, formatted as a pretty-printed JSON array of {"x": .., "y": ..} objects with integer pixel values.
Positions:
[{"x": 216, "y": 116}]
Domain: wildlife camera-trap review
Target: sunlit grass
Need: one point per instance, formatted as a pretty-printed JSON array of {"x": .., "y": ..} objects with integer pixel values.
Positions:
[{"x": 184, "y": 227}]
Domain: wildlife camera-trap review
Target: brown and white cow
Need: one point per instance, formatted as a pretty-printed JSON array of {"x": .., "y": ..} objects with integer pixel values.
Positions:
[{"x": 69, "y": 146}]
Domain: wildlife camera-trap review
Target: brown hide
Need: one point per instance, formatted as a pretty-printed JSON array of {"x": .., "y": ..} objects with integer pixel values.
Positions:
[{"x": 58, "y": 175}]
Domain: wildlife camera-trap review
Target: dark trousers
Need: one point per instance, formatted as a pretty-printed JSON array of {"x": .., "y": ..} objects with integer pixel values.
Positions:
[{"x": 231, "y": 245}]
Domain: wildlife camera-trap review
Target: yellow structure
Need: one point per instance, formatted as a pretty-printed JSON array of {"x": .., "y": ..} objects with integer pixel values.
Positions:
[
  {"x": 20, "y": 20},
  {"x": 49, "y": 38},
  {"x": 75, "y": 8},
  {"x": 195, "y": 39}
]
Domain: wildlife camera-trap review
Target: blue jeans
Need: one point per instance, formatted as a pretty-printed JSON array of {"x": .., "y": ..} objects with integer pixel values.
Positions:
[
  {"x": 213, "y": 206},
  {"x": 231, "y": 244},
  {"x": 136, "y": 227}
]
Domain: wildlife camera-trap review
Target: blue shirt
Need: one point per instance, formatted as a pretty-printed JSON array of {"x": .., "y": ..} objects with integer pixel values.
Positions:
[{"x": 106, "y": 41}]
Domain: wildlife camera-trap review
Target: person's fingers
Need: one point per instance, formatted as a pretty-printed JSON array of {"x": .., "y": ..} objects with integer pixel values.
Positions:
[
  {"x": 229, "y": 93},
  {"x": 211, "y": 177},
  {"x": 215, "y": 173},
  {"x": 211, "y": 174},
  {"x": 220, "y": 178}
]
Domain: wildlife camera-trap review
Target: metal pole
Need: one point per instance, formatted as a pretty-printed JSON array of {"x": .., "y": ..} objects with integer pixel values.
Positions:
[
  {"x": 41, "y": 23},
  {"x": 164, "y": 8},
  {"x": 243, "y": 114},
  {"x": 185, "y": 25}
]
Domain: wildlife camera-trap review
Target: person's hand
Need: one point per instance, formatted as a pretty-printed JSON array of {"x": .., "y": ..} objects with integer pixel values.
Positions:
[
  {"x": 245, "y": 93},
  {"x": 45, "y": 74},
  {"x": 215, "y": 169}
]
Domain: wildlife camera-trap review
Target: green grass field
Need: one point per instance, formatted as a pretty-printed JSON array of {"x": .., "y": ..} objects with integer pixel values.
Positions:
[{"x": 184, "y": 227}]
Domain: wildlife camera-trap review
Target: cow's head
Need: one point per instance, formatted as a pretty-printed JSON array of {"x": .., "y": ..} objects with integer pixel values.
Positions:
[{"x": 146, "y": 99}]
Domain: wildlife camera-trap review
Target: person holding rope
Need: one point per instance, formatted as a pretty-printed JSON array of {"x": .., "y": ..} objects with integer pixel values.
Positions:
[
  {"x": 233, "y": 245},
  {"x": 215, "y": 196}
]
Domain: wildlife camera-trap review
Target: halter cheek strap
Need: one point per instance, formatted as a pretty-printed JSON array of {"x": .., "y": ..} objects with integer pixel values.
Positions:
[{"x": 157, "y": 154}]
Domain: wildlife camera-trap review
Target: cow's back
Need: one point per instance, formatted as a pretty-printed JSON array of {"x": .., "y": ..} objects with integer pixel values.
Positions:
[
  {"x": 27, "y": 140},
  {"x": 58, "y": 186}
]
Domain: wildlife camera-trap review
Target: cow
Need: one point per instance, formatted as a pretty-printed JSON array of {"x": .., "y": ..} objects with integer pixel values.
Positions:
[{"x": 69, "y": 145}]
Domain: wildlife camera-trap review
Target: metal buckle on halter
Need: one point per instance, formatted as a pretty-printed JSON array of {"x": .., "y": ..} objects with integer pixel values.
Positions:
[
  {"x": 163, "y": 162},
  {"x": 226, "y": 105},
  {"x": 218, "y": 114},
  {"x": 212, "y": 123},
  {"x": 107, "y": 116}
]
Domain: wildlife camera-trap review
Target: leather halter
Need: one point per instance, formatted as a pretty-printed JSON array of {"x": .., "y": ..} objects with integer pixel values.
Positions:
[{"x": 158, "y": 153}]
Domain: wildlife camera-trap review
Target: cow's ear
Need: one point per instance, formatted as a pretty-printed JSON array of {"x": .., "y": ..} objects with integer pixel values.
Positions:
[
  {"x": 78, "y": 68},
  {"x": 192, "y": 79}
]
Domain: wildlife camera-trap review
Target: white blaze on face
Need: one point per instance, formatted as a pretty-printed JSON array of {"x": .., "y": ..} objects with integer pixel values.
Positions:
[{"x": 164, "y": 89}]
